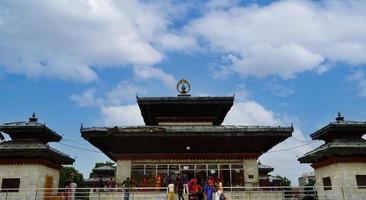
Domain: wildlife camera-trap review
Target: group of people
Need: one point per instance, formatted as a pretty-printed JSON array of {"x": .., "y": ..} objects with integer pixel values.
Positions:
[{"x": 210, "y": 190}]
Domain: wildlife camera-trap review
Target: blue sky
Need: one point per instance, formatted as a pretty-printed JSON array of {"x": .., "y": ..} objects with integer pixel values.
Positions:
[{"x": 76, "y": 62}]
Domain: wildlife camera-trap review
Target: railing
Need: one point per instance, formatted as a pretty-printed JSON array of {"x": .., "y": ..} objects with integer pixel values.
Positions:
[{"x": 153, "y": 193}]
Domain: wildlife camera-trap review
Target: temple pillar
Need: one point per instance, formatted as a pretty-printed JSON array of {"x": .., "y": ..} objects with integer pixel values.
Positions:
[
  {"x": 250, "y": 172},
  {"x": 123, "y": 170}
]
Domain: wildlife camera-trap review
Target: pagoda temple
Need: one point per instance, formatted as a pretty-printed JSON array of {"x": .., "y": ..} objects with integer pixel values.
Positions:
[
  {"x": 340, "y": 163},
  {"x": 184, "y": 135},
  {"x": 27, "y": 161}
]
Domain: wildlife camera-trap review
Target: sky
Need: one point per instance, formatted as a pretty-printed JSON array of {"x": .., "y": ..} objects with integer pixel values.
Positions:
[{"x": 84, "y": 61}]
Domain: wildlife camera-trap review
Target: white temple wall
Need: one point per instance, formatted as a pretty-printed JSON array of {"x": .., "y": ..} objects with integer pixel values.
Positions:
[
  {"x": 251, "y": 176},
  {"x": 343, "y": 179},
  {"x": 32, "y": 176},
  {"x": 123, "y": 170}
]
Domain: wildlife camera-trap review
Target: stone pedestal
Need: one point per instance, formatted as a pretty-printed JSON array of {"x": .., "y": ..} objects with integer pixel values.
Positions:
[
  {"x": 123, "y": 170},
  {"x": 250, "y": 172},
  {"x": 343, "y": 179},
  {"x": 32, "y": 180}
]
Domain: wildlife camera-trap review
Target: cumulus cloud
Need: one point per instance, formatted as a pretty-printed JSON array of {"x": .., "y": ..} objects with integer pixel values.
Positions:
[
  {"x": 86, "y": 99},
  {"x": 143, "y": 73},
  {"x": 250, "y": 112},
  {"x": 284, "y": 38},
  {"x": 122, "y": 115},
  {"x": 65, "y": 39}
]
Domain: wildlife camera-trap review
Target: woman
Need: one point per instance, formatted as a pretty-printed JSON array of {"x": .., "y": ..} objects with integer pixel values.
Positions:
[{"x": 220, "y": 193}]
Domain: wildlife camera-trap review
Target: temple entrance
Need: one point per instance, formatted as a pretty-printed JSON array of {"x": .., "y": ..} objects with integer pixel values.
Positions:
[{"x": 156, "y": 175}]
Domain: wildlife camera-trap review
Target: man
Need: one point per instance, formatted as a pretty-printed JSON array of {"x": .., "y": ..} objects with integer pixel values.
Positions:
[
  {"x": 126, "y": 184},
  {"x": 180, "y": 188}
]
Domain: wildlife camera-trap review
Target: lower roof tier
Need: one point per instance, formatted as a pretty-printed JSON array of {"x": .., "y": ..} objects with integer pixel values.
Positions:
[
  {"x": 32, "y": 150},
  {"x": 165, "y": 141},
  {"x": 337, "y": 148}
]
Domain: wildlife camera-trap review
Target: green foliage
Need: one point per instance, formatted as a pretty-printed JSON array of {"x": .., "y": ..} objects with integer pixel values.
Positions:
[
  {"x": 68, "y": 172},
  {"x": 284, "y": 181},
  {"x": 311, "y": 182}
]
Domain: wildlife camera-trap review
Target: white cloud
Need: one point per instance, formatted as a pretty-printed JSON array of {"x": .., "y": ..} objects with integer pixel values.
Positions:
[
  {"x": 359, "y": 78},
  {"x": 122, "y": 115},
  {"x": 250, "y": 112},
  {"x": 276, "y": 88},
  {"x": 286, "y": 60},
  {"x": 284, "y": 38},
  {"x": 143, "y": 73},
  {"x": 284, "y": 162},
  {"x": 63, "y": 39},
  {"x": 86, "y": 99},
  {"x": 123, "y": 93}
]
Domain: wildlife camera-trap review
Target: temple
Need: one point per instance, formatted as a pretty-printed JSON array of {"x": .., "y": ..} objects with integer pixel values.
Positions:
[
  {"x": 184, "y": 135},
  {"x": 27, "y": 161},
  {"x": 341, "y": 161}
]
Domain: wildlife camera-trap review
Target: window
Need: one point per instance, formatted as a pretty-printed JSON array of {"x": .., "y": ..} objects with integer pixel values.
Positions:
[
  {"x": 361, "y": 181},
  {"x": 10, "y": 185},
  {"x": 327, "y": 183}
]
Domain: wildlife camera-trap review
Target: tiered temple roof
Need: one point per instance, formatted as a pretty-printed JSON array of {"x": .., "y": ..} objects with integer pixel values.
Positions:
[
  {"x": 29, "y": 143},
  {"x": 185, "y": 127},
  {"x": 343, "y": 143}
]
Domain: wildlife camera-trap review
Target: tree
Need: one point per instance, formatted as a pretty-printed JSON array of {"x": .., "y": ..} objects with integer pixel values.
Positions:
[
  {"x": 311, "y": 182},
  {"x": 284, "y": 181},
  {"x": 68, "y": 172}
]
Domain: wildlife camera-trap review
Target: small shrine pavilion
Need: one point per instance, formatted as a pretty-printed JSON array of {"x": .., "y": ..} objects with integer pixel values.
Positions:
[
  {"x": 184, "y": 135},
  {"x": 27, "y": 161},
  {"x": 101, "y": 175},
  {"x": 340, "y": 163}
]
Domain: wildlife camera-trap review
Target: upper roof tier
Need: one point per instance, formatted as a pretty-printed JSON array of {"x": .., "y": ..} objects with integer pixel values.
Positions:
[
  {"x": 184, "y": 110},
  {"x": 30, "y": 130},
  {"x": 340, "y": 129}
]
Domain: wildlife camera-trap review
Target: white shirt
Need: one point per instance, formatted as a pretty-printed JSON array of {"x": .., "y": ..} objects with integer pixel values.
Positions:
[
  {"x": 217, "y": 195},
  {"x": 171, "y": 187}
]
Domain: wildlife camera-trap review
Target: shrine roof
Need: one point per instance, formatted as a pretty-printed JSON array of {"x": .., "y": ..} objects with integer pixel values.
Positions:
[
  {"x": 31, "y": 129},
  {"x": 264, "y": 168},
  {"x": 340, "y": 129},
  {"x": 32, "y": 150},
  {"x": 104, "y": 168},
  {"x": 155, "y": 110},
  {"x": 338, "y": 147}
]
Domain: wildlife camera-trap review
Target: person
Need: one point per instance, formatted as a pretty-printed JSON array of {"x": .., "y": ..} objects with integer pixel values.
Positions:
[
  {"x": 68, "y": 190},
  {"x": 127, "y": 186},
  {"x": 145, "y": 183},
  {"x": 158, "y": 180},
  {"x": 185, "y": 183},
  {"x": 220, "y": 193},
  {"x": 180, "y": 187},
  {"x": 170, "y": 190},
  {"x": 210, "y": 187},
  {"x": 73, "y": 190},
  {"x": 195, "y": 190}
]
